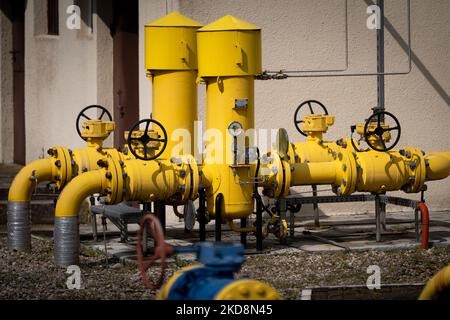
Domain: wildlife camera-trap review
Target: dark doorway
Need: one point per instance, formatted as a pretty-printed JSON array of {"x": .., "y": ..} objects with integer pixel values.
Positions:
[
  {"x": 18, "y": 60},
  {"x": 125, "y": 32}
]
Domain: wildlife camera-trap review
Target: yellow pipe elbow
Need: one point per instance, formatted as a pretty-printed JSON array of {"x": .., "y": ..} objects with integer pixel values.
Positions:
[
  {"x": 29, "y": 177},
  {"x": 439, "y": 283},
  {"x": 77, "y": 190}
]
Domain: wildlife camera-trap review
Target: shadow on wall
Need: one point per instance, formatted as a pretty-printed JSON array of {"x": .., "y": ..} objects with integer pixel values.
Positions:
[{"x": 415, "y": 59}]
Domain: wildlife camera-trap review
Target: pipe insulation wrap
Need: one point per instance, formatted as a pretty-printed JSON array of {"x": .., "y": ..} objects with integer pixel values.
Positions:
[
  {"x": 18, "y": 226},
  {"x": 67, "y": 241}
]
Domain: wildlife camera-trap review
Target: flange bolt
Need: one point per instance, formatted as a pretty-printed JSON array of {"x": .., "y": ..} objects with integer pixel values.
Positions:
[{"x": 102, "y": 163}]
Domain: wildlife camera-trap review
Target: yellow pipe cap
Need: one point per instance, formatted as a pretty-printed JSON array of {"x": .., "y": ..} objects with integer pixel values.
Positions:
[
  {"x": 171, "y": 43},
  {"x": 175, "y": 19},
  {"x": 229, "y": 47},
  {"x": 229, "y": 23}
]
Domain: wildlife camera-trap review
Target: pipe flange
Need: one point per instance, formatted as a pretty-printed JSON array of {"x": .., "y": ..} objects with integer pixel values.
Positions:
[
  {"x": 62, "y": 166},
  {"x": 193, "y": 176},
  {"x": 417, "y": 169},
  {"x": 346, "y": 173},
  {"x": 281, "y": 181},
  {"x": 114, "y": 174},
  {"x": 188, "y": 180}
]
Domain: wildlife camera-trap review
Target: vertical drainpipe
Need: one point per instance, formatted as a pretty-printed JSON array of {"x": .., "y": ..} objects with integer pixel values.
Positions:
[
  {"x": 171, "y": 64},
  {"x": 229, "y": 52}
]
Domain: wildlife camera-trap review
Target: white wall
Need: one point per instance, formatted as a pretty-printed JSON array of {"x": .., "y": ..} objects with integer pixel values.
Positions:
[
  {"x": 61, "y": 79},
  {"x": 148, "y": 12},
  {"x": 6, "y": 92}
]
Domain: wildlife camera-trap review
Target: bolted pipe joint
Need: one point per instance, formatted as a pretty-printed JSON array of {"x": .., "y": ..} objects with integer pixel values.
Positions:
[
  {"x": 18, "y": 226},
  {"x": 67, "y": 241}
]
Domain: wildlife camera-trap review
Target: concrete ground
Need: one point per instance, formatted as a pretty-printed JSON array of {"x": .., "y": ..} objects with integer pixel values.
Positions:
[{"x": 341, "y": 233}]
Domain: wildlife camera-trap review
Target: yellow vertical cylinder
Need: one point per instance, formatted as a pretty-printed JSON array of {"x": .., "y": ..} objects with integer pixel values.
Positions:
[
  {"x": 229, "y": 57},
  {"x": 171, "y": 62},
  {"x": 175, "y": 106}
]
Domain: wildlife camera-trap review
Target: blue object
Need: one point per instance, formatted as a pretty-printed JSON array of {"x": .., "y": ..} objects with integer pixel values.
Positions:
[{"x": 220, "y": 263}]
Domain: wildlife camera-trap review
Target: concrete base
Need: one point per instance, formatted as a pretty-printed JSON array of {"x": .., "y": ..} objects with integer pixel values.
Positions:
[{"x": 386, "y": 292}]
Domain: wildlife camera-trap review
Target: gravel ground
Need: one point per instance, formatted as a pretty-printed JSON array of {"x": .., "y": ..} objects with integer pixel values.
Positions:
[
  {"x": 34, "y": 276},
  {"x": 290, "y": 273}
]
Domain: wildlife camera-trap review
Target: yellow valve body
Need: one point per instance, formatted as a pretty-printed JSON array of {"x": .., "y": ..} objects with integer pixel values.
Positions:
[
  {"x": 317, "y": 123},
  {"x": 381, "y": 171},
  {"x": 314, "y": 173},
  {"x": 97, "y": 129},
  {"x": 311, "y": 151}
]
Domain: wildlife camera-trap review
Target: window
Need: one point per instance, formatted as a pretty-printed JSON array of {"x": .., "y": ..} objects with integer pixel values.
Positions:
[
  {"x": 53, "y": 17},
  {"x": 87, "y": 13}
]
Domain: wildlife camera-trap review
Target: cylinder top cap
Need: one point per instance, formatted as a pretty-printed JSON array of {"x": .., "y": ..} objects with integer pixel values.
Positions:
[
  {"x": 171, "y": 43},
  {"x": 229, "y": 23},
  {"x": 175, "y": 19},
  {"x": 229, "y": 47}
]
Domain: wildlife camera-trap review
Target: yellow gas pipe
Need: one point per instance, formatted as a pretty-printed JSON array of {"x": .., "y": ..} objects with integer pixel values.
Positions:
[
  {"x": 62, "y": 165},
  {"x": 229, "y": 57},
  {"x": 132, "y": 180},
  {"x": 375, "y": 172}
]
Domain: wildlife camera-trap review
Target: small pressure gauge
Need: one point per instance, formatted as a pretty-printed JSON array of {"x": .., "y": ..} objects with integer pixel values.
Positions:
[{"x": 235, "y": 129}]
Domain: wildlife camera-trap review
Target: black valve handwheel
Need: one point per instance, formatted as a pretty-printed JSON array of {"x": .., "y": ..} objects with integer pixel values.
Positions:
[
  {"x": 82, "y": 114},
  {"x": 145, "y": 139},
  {"x": 309, "y": 104},
  {"x": 380, "y": 119}
]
